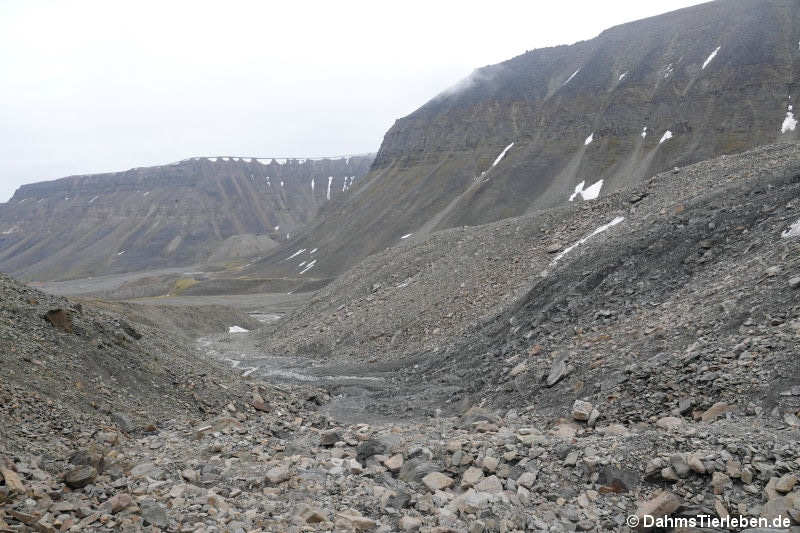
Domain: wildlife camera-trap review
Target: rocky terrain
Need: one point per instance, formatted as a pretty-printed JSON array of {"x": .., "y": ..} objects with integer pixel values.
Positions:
[
  {"x": 645, "y": 367},
  {"x": 593, "y": 117},
  {"x": 217, "y": 210}
]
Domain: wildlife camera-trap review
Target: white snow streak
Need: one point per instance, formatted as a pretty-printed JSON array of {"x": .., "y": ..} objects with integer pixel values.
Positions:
[
  {"x": 502, "y": 154},
  {"x": 93, "y": 199},
  {"x": 237, "y": 329},
  {"x": 587, "y": 194},
  {"x": 710, "y": 57},
  {"x": 312, "y": 184},
  {"x": 309, "y": 266},
  {"x": 644, "y": 132},
  {"x": 667, "y": 136},
  {"x": 406, "y": 236},
  {"x": 146, "y": 193},
  {"x": 122, "y": 252},
  {"x": 570, "y": 78},
  {"x": 298, "y": 252},
  {"x": 599, "y": 230},
  {"x": 789, "y": 123},
  {"x": 793, "y": 231},
  {"x": 622, "y": 76},
  {"x": 589, "y": 139},
  {"x": 328, "y": 194},
  {"x": 212, "y": 159},
  {"x": 277, "y": 228},
  {"x": 312, "y": 252}
]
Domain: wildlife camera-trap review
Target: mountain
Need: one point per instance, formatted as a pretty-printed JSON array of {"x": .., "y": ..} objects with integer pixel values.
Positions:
[
  {"x": 589, "y": 118},
  {"x": 681, "y": 287},
  {"x": 203, "y": 209}
]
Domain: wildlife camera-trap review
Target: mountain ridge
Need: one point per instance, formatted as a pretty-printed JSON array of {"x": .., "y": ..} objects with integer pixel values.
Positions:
[
  {"x": 640, "y": 98},
  {"x": 179, "y": 214}
]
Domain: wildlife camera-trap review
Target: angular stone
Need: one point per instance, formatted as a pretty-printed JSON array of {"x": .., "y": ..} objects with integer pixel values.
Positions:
[
  {"x": 490, "y": 463},
  {"x": 278, "y": 474},
  {"x": 13, "y": 481},
  {"x": 670, "y": 423},
  {"x": 491, "y": 484},
  {"x": 719, "y": 481},
  {"x": 715, "y": 411},
  {"x": 258, "y": 402},
  {"x": 410, "y": 523},
  {"x": 394, "y": 463},
  {"x": 119, "y": 502},
  {"x": 329, "y": 438},
  {"x": 80, "y": 477},
  {"x": 557, "y": 371},
  {"x": 786, "y": 483},
  {"x": 679, "y": 465},
  {"x": 437, "y": 481},
  {"x": 527, "y": 479},
  {"x": 519, "y": 369},
  {"x": 664, "y": 504},
  {"x": 695, "y": 462},
  {"x": 153, "y": 513},
  {"x": 471, "y": 476},
  {"x": 311, "y": 515},
  {"x": 581, "y": 410}
]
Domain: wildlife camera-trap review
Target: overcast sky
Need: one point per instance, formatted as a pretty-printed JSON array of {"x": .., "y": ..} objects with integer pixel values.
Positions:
[{"x": 91, "y": 86}]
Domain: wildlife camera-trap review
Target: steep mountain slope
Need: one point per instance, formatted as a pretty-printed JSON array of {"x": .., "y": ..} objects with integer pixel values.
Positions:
[
  {"x": 592, "y": 117},
  {"x": 685, "y": 286},
  {"x": 201, "y": 209},
  {"x": 67, "y": 368}
]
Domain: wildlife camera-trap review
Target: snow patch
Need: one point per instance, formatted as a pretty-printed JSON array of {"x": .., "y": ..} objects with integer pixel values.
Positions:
[
  {"x": 587, "y": 194},
  {"x": 667, "y": 136},
  {"x": 146, "y": 193},
  {"x": 281, "y": 183},
  {"x": 122, "y": 252},
  {"x": 9, "y": 231},
  {"x": 589, "y": 139},
  {"x": 710, "y": 57},
  {"x": 406, "y": 236},
  {"x": 597, "y": 231},
  {"x": 644, "y": 132},
  {"x": 298, "y": 252},
  {"x": 312, "y": 252},
  {"x": 237, "y": 329},
  {"x": 93, "y": 199},
  {"x": 328, "y": 194},
  {"x": 789, "y": 122},
  {"x": 301, "y": 264},
  {"x": 793, "y": 231},
  {"x": 309, "y": 266},
  {"x": 312, "y": 184},
  {"x": 212, "y": 159},
  {"x": 277, "y": 228},
  {"x": 502, "y": 154},
  {"x": 622, "y": 76},
  {"x": 224, "y": 158},
  {"x": 570, "y": 78}
]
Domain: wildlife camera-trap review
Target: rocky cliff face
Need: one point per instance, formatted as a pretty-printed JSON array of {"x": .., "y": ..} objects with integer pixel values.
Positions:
[
  {"x": 573, "y": 122},
  {"x": 198, "y": 210}
]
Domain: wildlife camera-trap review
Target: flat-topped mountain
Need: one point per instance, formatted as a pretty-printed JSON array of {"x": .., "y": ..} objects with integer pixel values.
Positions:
[
  {"x": 203, "y": 209},
  {"x": 571, "y": 123}
]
